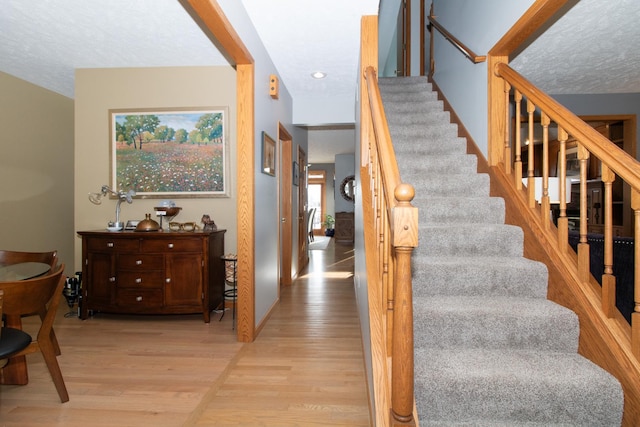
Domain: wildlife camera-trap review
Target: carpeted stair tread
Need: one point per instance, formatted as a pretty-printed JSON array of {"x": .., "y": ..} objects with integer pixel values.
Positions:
[
  {"x": 461, "y": 321},
  {"x": 410, "y": 83},
  {"x": 411, "y": 111},
  {"x": 446, "y": 133},
  {"x": 479, "y": 275},
  {"x": 504, "y": 385},
  {"x": 443, "y": 164},
  {"x": 452, "y": 185},
  {"x": 459, "y": 210},
  {"x": 470, "y": 240},
  {"x": 423, "y": 145}
]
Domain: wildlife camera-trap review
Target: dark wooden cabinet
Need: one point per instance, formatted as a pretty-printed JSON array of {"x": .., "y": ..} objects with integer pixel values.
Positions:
[
  {"x": 152, "y": 272},
  {"x": 344, "y": 227}
]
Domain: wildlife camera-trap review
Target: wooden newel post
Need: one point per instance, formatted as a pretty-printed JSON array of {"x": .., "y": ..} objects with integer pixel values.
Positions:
[{"x": 404, "y": 230}]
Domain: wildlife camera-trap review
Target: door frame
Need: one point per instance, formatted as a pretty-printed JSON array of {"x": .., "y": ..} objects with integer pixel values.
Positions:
[
  {"x": 285, "y": 212},
  {"x": 303, "y": 206}
]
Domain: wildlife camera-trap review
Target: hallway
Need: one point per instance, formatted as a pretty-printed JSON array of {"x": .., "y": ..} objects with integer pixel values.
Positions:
[{"x": 305, "y": 368}]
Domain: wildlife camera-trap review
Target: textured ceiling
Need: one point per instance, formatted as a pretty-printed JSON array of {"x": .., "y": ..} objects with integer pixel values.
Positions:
[
  {"x": 43, "y": 42},
  {"x": 594, "y": 48}
]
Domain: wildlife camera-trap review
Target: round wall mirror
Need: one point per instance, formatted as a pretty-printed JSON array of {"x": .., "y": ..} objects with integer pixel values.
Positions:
[{"x": 347, "y": 188}]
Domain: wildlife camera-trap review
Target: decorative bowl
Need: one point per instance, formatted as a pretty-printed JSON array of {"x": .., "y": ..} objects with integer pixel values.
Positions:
[{"x": 168, "y": 211}]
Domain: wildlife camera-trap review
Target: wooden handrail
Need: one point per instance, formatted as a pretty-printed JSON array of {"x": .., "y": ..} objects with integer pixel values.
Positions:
[
  {"x": 391, "y": 177},
  {"x": 476, "y": 59},
  {"x": 395, "y": 225},
  {"x": 617, "y": 159}
]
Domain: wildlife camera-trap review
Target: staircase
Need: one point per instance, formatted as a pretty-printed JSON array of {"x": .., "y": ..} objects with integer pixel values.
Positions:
[{"x": 490, "y": 349}]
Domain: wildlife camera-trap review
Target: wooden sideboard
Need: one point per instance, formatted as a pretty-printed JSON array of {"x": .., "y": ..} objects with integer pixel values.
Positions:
[
  {"x": 344, "y": 227},
  {"x": 157, "y": 272}
]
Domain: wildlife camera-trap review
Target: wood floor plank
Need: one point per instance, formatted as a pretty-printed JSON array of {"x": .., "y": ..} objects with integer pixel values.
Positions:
[{"x": 305, "y": 368}]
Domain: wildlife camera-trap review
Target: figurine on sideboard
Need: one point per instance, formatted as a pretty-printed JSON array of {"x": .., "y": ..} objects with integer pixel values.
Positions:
[{"x": 209, "y": 224}]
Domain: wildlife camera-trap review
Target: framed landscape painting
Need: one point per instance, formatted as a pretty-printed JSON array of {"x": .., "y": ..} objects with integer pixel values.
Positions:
[{"x": 180, "y": 152}]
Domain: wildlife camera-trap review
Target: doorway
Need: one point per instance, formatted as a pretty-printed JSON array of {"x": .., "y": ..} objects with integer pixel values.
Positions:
[
  {"x": 317, "y": 182},
  {"x": 303, "y": 206}
]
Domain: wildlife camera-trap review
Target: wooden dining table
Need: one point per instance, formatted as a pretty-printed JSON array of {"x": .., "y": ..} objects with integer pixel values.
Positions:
[{"x": 15, "y": 371}]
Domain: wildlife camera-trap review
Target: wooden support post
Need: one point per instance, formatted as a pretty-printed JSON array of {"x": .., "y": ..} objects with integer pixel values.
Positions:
[
  {"x": 608, "y": 279},
  {"x": 563, "y": 222},
  {"x": 405, "y": 238},
  {"x": 517, "y": 96},
  {"x": 583, "y": 247}
]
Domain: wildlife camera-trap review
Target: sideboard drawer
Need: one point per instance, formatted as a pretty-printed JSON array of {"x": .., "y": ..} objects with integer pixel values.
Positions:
[
  {"x": 140, "y": 279},
  {"x": 140, "y": 262},
  {"x": 106, "y": 244},
  {"x": 140, "y": 298},
  {"x": 172, "y": 245}
]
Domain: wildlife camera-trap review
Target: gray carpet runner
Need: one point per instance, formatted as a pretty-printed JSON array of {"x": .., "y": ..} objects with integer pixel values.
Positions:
[{"x": 490, "y": 349}]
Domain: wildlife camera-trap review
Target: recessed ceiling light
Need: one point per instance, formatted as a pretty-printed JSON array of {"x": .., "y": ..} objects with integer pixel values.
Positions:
[{"x": 319, "y": 75}]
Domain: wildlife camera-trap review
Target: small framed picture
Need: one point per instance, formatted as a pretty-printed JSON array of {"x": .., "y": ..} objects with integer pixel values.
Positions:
[
  {"x": 296, "y": 173},
  {"x": 268, "y": 155}
]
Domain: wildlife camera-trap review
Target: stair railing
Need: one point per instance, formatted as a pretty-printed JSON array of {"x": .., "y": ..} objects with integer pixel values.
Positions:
[
  {"x": 613, "y": 162},
  {"x": 606, "y": 338},
  {"x": 391, "y": 234}
]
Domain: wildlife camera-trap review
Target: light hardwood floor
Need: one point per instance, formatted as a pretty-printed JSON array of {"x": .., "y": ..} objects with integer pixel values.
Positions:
[{"x": 304, "y": 369}]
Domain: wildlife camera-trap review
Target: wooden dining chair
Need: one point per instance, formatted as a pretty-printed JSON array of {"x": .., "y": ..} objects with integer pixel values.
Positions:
[
  {"x": 15, "y": 257},
  {"x": 27, "y": 296},
  {"x": 51, "y": 257},
  {"x": 12, "y": 340}
]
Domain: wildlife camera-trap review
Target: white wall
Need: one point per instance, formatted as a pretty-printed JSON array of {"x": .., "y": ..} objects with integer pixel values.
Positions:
[
  {"x": 387, "y": 37},
  {"x": 36, "y": 170},
  {"x": 323, "y": 111},
  {"x": 268, "y": 112},
  {"x": 479, "y": 25}
]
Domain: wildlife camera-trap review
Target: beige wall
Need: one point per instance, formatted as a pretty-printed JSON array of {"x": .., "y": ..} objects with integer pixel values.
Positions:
[
  {"x": 36, "y": 169},
  {"x": 99, "y": 90}
]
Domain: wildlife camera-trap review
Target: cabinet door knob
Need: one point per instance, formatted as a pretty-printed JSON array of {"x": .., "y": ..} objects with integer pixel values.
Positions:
[
  {"x": 138, "y": 298},
  {"x": 139, "y": 262},
  {"x": 168, "y": 280},
  {"x": 170, "y": 245},
  {"x": 112, "y": 279},
  {"x": 109, "y": 244},
  {"x": 138, "y": 280}
]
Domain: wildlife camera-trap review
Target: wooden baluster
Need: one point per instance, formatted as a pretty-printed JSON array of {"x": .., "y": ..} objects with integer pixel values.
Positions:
[
  {"x": 507, "y": 145},
  {"x": 608, "y": 279},
  {"x": 563, "y": 222},
  {"x": 530, "y": 151},
  {"x": 583, "y": 247},
  {"x": 517, "y": 96},
  {"x": 546, "y": 206},
  {"x": 389, "y": 281},
  {"x": 635, "y": 316},
  {"x": 405, "y": 238}
]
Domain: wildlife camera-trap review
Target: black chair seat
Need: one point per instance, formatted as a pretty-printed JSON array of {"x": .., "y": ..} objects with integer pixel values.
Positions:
[{"x": 12, "y": 341}]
